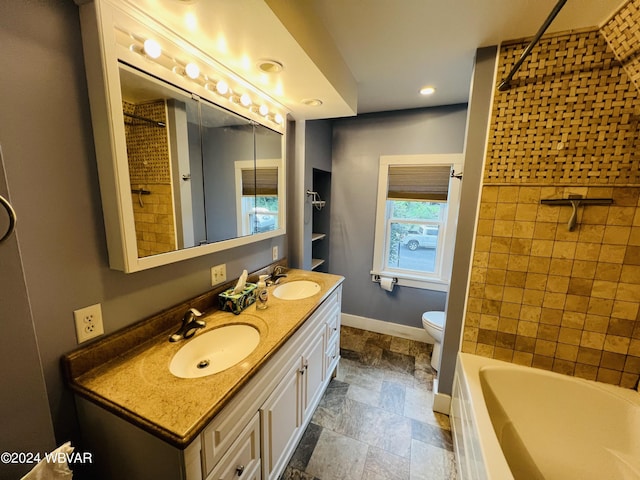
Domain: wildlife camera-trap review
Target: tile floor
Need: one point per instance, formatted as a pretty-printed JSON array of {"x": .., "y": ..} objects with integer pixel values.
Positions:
[{"x": 375, "y": 420}]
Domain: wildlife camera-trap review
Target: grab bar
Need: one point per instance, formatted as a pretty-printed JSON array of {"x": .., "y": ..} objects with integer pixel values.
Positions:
[
  {"x": 504, "y": 84},
  {"x": 12, "y": 218}
]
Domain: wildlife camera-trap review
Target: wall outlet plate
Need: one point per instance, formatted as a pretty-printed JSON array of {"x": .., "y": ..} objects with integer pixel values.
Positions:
[
  {"x": 274, "y": 253},
  {"x": 218, "y": 274},
  {"x": 88, "y": 322}
]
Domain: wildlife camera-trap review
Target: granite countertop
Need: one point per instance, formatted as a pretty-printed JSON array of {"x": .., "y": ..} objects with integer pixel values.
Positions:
[{"x": 137, "y": 385}]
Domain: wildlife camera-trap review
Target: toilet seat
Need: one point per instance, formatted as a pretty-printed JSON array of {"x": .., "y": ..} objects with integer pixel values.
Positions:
[{"x": 435, "y": 319}]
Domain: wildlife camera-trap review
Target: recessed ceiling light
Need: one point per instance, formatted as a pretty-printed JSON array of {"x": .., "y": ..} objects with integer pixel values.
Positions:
[
  {"x": 427, "y": 91},
  {"x": 312, "y": 102},
  {"x": 268, "y": 65}
]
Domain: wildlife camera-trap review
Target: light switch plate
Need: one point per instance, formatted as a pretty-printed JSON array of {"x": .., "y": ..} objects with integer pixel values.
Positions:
[
  {"x": 274, "y": 253},
  {"x": 218, "y": 274}
]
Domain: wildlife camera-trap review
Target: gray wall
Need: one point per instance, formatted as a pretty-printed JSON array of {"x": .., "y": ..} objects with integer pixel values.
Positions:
[
  {"x": 358, "y": 144},
  {"x": 477, "y": 127},
  {"x": 46, "y": 138},
  {"x": 24, "y": 408}
]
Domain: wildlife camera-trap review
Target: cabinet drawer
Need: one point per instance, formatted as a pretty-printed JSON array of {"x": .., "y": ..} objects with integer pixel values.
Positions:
[
  {"x": 332, "y": 354},
  {"x": 242, "y": 461},
  {"x": 333, "y": 324},
  {"x": 333, "y": 301}
]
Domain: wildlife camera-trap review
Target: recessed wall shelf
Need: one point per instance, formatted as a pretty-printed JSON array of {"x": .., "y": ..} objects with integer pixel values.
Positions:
[
  {"x": 575, "y": 201},
  {"x": 316, "y": 262},
  {"x": 321, "y": 220}
]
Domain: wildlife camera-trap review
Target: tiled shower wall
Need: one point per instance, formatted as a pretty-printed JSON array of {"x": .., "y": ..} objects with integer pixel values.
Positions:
[
  {"x": 542, "y": 295},
  {"x": 150, "y": 169}
]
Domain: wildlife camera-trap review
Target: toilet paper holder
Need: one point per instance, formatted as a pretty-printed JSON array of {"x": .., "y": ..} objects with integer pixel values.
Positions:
[{"x": 376, "y": 278}]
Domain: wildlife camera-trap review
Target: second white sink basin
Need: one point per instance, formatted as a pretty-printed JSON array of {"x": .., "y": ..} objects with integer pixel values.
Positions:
[
  {"x": 296, "y": 290},
  {"x": 214, "y": 351}
]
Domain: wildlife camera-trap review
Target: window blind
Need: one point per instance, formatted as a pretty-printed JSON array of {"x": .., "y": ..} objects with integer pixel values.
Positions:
[
  {"x": 262, "y": 181},
  {"x": 418, "y": 182}
]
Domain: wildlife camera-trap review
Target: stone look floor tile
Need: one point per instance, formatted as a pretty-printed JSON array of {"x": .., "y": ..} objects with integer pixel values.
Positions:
[
  {"x": 392, "y": 397},
  {"x": 385, "y": 465},
  {"x": 364, "y": 395},
  {"x": 331, "y": 405},
  {"x": 305, "y": 448},
  {"x": 375, "y": 420},
  {"x": 337, "y": 457},
  {"x": 352, "y": 372},
  {"x": 436, "y": 436},
  {"x": 429, "y": 462}
]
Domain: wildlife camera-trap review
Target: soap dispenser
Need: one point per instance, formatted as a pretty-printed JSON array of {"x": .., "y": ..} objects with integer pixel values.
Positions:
[{"x": 263, "y": 293}]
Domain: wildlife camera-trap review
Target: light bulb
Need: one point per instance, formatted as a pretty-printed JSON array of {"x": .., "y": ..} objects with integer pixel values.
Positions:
[
  {"x": 222, "y": 87},
  {"x": 192, "y": 70},
  {"x": 152, "y": 48},
  {"x": 278, "y": 118},
  {"x": 245, "y": 100},
  {"x": 264, "y": 110}
]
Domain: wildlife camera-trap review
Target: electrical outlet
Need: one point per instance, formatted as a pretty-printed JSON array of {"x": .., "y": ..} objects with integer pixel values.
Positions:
[
  {"x": 274, "y": 253},
  {"x": 218, "y": 274},
  {"x": 88, "y": 322}
]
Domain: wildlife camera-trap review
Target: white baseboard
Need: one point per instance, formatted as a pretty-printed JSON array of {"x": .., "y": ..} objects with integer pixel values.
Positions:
[
  {"x": 441, "y": 403},
  {"x": 387, "y": 328}
]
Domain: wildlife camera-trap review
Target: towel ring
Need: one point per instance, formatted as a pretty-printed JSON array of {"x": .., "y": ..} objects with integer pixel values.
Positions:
[{"x": 12, "y": 218}]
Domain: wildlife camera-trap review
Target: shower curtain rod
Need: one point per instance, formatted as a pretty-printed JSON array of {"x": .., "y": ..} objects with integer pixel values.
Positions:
[
  {"x": 148, "y": 120},
  {"x": 504, "y": 85}
]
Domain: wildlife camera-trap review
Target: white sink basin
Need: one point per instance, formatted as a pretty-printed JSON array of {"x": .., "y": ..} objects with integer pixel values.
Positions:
[
  {"x": 214, "y": 351},
  {"x": 296, "y": 290}
]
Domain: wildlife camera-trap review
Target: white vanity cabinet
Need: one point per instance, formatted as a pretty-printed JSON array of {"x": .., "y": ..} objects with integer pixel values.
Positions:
[
  {"x": 285, "y": 393},
  {"x": 289, "y": 408},
  {"x": 252, "y": 437}
]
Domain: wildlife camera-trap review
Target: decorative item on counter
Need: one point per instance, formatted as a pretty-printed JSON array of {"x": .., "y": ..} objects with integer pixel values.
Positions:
[
  {"x": 263, "y": 293},
  {"x": 240, "y": 297}
]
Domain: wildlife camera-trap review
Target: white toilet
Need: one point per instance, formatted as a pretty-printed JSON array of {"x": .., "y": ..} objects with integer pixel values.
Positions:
[{"x": 433, "y": 323}]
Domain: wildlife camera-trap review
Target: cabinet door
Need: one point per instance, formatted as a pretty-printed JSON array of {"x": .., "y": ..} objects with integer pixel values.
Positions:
[
  {"x": 281, "y": 419},
  {"x": 313, "y": 373}
]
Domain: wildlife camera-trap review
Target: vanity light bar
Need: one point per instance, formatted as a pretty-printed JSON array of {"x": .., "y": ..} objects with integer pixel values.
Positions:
[{"x": 152, "y": 50}]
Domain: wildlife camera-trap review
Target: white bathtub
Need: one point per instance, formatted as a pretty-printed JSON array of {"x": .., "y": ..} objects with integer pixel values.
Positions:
[{"x": 513, "y": 422}]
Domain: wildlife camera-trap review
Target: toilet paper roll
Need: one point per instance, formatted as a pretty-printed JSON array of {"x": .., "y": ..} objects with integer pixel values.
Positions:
[{"x": 386, "y": 283}]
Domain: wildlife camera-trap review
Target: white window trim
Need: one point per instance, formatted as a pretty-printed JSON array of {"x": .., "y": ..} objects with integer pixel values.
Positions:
[{"x": 440, "y": 281}]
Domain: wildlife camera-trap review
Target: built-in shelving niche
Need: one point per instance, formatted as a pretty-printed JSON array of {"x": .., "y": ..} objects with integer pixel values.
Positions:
[{"x": 321, "y": 222}]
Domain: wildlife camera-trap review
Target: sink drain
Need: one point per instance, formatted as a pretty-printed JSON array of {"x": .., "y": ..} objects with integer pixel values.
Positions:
[{"x": 203, "y": 364}]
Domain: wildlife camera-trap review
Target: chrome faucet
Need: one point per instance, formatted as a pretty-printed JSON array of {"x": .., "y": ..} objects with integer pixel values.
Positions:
[
  {"x": 278, "y": 274},
  {"x": 190, "y": 326}
]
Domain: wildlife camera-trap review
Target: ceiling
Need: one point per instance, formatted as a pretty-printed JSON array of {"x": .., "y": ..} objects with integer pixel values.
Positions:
[
  {"x": 393, "y": 48},
  {"x": 361, "y": 56}
]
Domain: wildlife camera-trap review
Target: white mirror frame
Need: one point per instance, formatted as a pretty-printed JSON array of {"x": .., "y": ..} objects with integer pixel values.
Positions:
[{"x": 109, "y": 28}]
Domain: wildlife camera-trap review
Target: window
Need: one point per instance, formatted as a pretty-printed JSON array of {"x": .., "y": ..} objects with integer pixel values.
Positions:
[
  {"x": 258, "y": 199},
  {"x": 416, "y": 215}
]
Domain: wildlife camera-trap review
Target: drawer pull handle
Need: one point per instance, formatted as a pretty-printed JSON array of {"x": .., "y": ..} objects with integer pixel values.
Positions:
[
  {"x": 304, "y": 368},
  {"x": 239, "y": 470}
]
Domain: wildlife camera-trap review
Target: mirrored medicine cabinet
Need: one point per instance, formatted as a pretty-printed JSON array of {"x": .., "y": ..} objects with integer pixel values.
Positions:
[{"x": 182, "y": 172}]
